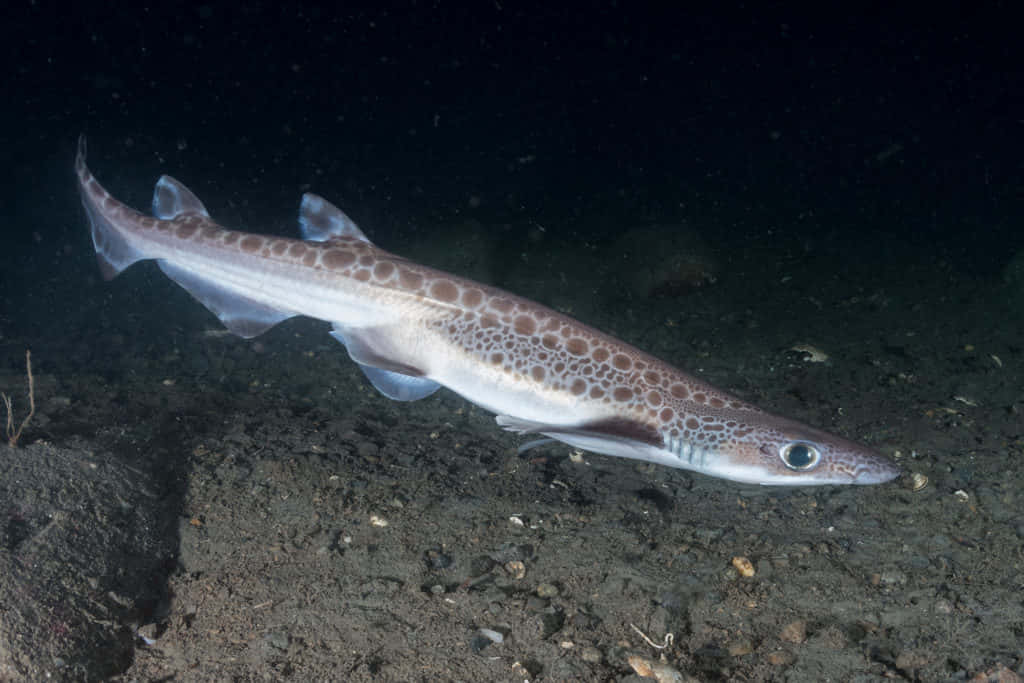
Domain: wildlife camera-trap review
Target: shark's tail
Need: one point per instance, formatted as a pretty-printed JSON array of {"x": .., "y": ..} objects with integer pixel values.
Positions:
[{"x": 113, "y": 250}]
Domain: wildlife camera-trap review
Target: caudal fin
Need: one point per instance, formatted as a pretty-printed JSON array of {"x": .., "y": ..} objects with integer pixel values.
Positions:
[{"x": 113, "y": 251}]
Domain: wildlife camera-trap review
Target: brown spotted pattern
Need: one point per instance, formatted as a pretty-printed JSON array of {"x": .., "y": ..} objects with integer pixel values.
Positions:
[
  {"x": 552, "y": 352},
  {"x": 529, "y": 342}
]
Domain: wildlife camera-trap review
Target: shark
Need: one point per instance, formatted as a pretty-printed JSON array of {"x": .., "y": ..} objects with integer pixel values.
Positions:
[{"x": 413, "y": 329}]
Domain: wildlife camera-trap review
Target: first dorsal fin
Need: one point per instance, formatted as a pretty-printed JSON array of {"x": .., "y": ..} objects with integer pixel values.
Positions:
[
  {"x": 319, "y": 221},
  {"x": 172, "y": 199}
]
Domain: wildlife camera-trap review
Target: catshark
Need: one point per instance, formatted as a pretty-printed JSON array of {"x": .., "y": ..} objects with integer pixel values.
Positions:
[{"x": 413, "y": 329}]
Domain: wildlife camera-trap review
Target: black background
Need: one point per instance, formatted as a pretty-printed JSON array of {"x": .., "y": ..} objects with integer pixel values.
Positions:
[{"x": 871, "y": 129}]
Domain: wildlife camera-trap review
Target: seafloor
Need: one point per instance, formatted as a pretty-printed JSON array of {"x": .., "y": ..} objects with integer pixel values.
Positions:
[{"x": 186, "y": 505}]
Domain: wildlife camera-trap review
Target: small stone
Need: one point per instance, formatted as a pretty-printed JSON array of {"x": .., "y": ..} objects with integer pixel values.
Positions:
[
  {"x": 277, "y": 640},
  {"x": 516, "y": 568},
  {"x": 780, "y": 658},
  {"x": 810, "y": 354},
  {"x": 527, "y": 670},
  {"x": 547, "y": 590},
  {"x": 743, "y": 565},
  {"x": 494, "y": 636},
  {"x": 892, "y": 577},
  {"x": 998, "y": 673},
  {"x": 794, "y": 632},
  {"x": 551, "y": 624},
  {"x": 648, "y": 668},
  {"x": 480, "y": 565},
  {"x": 590, "y": 654}
]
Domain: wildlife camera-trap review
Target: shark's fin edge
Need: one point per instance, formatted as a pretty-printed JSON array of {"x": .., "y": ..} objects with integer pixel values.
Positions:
[
  {"x": 319, "y": 221},
  {"x": 172, "y": 199},
  {"x": 241, "y": 315}
]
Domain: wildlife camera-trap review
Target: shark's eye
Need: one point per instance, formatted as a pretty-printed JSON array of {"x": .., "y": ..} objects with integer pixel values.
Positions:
[{"x": 800, "y": 455}]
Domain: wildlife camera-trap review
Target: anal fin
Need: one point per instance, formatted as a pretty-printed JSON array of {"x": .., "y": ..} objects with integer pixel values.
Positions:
[{"x": 241, "y": 315}]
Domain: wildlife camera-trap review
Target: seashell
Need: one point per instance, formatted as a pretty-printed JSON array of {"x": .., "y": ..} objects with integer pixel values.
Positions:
[{"x": 744, "y": 566}]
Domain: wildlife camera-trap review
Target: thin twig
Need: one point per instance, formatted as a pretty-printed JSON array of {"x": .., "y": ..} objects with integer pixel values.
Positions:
[
  {"x": 668, "y": 639},
  {"x": 14, "y": 434},
  {"x": 10, "y": 418}
]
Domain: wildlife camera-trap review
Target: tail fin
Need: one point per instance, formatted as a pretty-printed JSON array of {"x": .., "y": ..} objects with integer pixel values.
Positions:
[{"x": 113, "y": 251}]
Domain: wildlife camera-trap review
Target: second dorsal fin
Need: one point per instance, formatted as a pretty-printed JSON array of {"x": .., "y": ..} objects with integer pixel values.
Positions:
[{"x": 319, "y": 221}]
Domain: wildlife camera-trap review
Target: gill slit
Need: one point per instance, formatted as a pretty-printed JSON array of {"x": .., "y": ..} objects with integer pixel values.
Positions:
[{"x": 695, "y": 456}]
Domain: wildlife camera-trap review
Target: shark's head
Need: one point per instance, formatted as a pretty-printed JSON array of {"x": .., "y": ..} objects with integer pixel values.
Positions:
[{"x": 761, "y": 448}]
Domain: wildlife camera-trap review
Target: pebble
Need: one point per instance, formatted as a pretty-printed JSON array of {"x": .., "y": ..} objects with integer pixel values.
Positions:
[
  {"x": 526, "y": 670},
  {"x": 516, "y": 568},
  {"x": 794, "y": 632},
  {"x": 590, "y": 654},
  {"x": 495, "y": 636},
  {"x": 481, "y": 564},
  {"x": 743, "y": 565},
  {"x": 277, "y": 640},
  {"x": 892, "y": 577},
  {"x": 551, "y": 623},
  {"x": 648, "y": 668},
  {"x": 547, "y": 590}
]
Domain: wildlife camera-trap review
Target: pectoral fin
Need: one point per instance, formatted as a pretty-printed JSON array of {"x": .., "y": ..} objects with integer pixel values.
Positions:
[{"x": 395, "y": 380}]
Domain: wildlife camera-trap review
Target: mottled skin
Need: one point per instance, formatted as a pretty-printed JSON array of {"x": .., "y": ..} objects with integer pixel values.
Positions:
[{"x": 540, "y": 370}]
